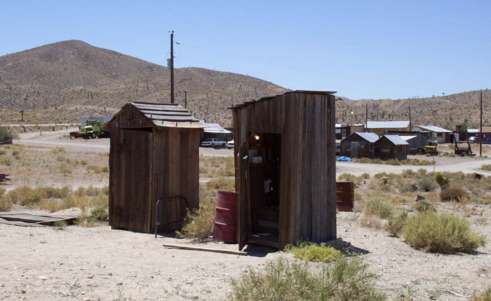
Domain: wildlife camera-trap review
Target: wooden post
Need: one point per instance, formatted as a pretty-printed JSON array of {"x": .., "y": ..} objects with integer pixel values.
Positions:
[{"x": 480, "y": 129}]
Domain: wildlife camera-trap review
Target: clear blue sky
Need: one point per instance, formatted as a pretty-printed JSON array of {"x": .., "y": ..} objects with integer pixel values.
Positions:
[{"x": 359, "y": 48}]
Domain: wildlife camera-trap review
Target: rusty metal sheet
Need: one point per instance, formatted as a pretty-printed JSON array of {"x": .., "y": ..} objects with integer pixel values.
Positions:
[{"x": 345, "y": 195}]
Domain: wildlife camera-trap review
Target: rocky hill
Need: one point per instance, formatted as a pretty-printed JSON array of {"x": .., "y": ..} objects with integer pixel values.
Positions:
[
  {"x": 446, "y": 111},
  {"x": 66, "y": 80}
]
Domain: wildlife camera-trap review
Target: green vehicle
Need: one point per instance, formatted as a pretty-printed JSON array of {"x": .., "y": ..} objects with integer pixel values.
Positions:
[{"x": 92, "y": 129}]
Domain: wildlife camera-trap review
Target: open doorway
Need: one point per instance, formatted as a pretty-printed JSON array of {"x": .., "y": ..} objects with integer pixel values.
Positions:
[{"x": 264, "y": 171}]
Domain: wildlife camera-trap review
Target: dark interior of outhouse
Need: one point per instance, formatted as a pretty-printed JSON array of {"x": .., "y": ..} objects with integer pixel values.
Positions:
[{"x": 264, "y": 189}]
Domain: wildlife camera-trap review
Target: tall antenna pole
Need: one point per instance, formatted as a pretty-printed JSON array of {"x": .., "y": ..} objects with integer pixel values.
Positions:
[
  {"x": 480, "y": 129},
  {"x": 366, "y": 115},
  {"x": 410, "y": 121},
  {"x": 186, "y": 99},
  {"x": 171, "y": 66}
]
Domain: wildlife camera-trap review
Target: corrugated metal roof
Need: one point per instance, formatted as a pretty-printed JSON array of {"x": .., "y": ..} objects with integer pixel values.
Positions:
[
  {"x": 370, "y": 137},
  {"x": 396, "y": 139},
  {"x": 485, "y": 129},
  {"x": 215, "y": 128},
  {"x": 407, "y": 138},
  {"x": 434, "y": 128},
  {"x": 167, "y": 115},
  {"x": 388, "y": 124}
]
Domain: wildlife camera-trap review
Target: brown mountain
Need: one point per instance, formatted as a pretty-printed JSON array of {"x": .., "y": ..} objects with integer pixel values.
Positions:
[{"x": 66, "y": 80}]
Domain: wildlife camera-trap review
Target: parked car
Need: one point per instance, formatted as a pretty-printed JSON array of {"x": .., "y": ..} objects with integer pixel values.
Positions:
[
  {"x": 230, "y": 144},
  {"x": 213, "y": 142}
]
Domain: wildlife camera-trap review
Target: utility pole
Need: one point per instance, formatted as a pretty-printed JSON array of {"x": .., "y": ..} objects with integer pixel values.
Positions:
[
  {"x": 480, "y": 129},
  {"x": 186, "y": 99},
  {"x": 410, "y": 121},
  {"x": 171, "y": 66},
  {"x": 366, "y": 115}
]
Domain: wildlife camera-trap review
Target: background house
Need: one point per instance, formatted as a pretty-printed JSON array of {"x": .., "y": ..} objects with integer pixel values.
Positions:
[
  {"x": 359, "y": 144},
  {"x": 436, "y": 133},
  {"x": 391, "y": 147},
  {"x": 384, "y": 127},
  {"x": 216, "y": 131}
]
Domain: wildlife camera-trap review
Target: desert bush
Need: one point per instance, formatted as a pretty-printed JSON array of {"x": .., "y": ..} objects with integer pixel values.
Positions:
[
  {"x": 453, "y": 193},
  {"x": 484, "y": 296},
  {"x": 345, "y": 279},
  {"x": 97, "y": 169},
  {"x": 199, "y": 224},
  {"x": 423, "y": 206},
  {"x": 314, "y": 252},
  {"x": 25, "y": 195},
  {"x": 65, "y": 169},
  {"x": 100, "y": 214},
  {"x": 379, "y": 208},
  {"x": 5, "y": 204},
  {"x": 441, "y": 180},
  {"x": 396, "y": 223},
  {"x": 5, "y": 134},
  {"x": 486, "y": 167},
  {"x": 426, "y": 184},
  {"x": 441, "y": 233}
]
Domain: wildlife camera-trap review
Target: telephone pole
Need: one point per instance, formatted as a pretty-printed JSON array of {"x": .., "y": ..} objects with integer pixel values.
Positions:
[
  {"x": 366, "y": 115},
  {"x": 410, "y": 121},
  {"x": 171, "y": 66},
  {"x": 480, "y": 128},
  {"x": 186, "y": 99}
]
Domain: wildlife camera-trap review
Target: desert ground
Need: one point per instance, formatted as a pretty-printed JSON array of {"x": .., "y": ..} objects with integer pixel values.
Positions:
[{"x": 97, "y": 263}]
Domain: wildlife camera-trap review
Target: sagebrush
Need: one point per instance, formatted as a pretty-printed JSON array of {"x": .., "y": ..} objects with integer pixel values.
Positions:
[
  {"x": 344, "y": 279},
  {"x": 441, "y": 233}
]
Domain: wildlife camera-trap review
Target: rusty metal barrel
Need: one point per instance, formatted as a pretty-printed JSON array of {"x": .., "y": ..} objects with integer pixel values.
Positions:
[{"x": 225, "y": 225}]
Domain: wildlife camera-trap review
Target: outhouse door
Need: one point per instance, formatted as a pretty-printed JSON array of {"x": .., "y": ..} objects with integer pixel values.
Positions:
[{"x": 135, "y": 177}]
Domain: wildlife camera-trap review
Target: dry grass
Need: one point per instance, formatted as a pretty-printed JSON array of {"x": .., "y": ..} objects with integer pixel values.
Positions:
[
  {"x": 55, "y": 199},
  {"x": 344, "y": 279},
  {"x": 417, "y": 162},
  {"x": 214, "y": 167},
  {"x": 32, "y": 166},
  {"x": 484, "y": 296},
  {"x": 199, "y": 224}
]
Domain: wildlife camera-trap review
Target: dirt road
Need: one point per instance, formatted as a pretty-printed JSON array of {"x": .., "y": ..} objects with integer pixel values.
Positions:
[
  {"x": 60, "y": 139},
  {"x": 98, "y": 263}
]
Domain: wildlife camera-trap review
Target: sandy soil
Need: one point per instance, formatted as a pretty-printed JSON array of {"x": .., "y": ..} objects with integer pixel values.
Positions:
[{"x": 41, "y": 263}]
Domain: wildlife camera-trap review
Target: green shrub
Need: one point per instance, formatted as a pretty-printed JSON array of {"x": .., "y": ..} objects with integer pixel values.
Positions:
[
  {"x": 345, "y": 279},
  {"x": 199, "y": 224},
  {"x": 5, "y": 204},
  {"x": 453, "y": 193},
  {"x": 486, "y": 167},
  {"x": 379, "y": 208},
  {"x": 484, "y": 296},
  {"x": 5, "y": 134},
  {"x": 441, "y": 233},
  {"x": 314, "y": 252},
  {"x": 441, "y": 180},
  {"x": 99, "y": 214},
  {"x": 423, "y": 206},
  {"x": 396, "y": 223},
  {"x": 426, "y": 184}
]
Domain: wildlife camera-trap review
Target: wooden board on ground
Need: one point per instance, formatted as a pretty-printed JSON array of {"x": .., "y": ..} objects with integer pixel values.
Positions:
[
  {"x": 204, "y": 249},
  {"x": 36, "y": 218}
]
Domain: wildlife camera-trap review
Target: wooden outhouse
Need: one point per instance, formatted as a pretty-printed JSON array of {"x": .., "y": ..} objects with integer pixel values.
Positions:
[
  {"x": 285, "y": 168},
  {"x": 391, "y": 147},
  {"x": 153, "y": 166},
  {"x": 359, "y": 145}
]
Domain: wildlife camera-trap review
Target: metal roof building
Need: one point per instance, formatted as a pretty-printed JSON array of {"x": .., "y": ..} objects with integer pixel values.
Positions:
[{"x": 391, "y": 147}]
